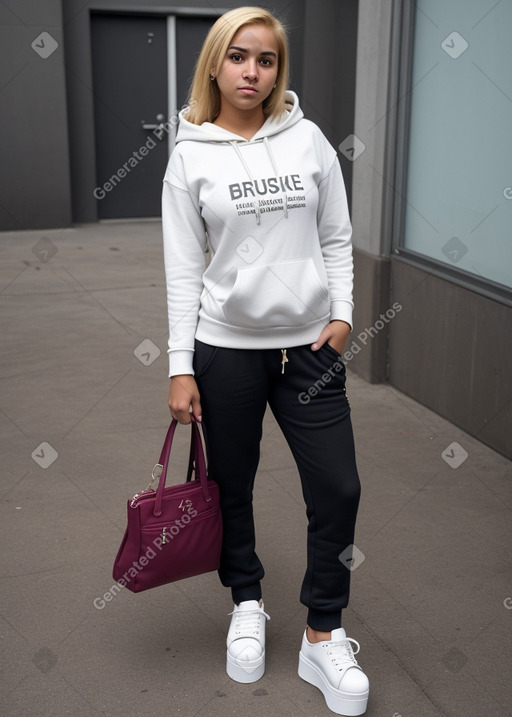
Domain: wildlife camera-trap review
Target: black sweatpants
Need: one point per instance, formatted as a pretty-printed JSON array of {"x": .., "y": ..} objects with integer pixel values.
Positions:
[{"x": 309, "y": 403}]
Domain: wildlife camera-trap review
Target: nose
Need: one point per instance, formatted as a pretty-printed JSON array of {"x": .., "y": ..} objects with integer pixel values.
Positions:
[{"x": 251, "y": 70}]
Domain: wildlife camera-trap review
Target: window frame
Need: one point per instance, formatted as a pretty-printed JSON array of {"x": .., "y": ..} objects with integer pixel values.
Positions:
[{"x": 398, "y": 144}]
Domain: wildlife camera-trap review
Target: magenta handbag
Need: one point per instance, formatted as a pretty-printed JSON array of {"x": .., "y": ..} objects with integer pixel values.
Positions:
[{"x": 174, "y": 532}]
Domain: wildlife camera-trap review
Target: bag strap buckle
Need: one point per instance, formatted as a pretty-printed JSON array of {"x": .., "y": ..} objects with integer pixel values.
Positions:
[{"x": 155, "y": 475}]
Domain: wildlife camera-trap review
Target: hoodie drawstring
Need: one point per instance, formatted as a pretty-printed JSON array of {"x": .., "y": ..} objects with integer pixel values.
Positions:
[
  {"x": 256, "y": 203},
  {"x": 274, "y": 166}
]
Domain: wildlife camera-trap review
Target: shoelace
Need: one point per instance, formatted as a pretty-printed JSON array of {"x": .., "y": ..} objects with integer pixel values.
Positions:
[
  {"x": 342, "y": 655},
  {"x": 248, "y": 621}
]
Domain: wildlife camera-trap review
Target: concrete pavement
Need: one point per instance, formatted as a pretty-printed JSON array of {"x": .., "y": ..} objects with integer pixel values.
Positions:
[{"x": 83, "y": 415}]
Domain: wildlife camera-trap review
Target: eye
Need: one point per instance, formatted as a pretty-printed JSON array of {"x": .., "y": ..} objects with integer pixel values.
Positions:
[
  {"x": 266, "y": 62},
  {"x": 236, "y": 57}
]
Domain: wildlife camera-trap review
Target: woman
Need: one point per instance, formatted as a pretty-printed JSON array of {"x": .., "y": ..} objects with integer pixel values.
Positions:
[{"x": 265, "y": 322}]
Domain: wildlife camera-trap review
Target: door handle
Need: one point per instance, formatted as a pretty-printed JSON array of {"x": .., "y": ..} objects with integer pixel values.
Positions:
[{"x": 160, "y": 127}]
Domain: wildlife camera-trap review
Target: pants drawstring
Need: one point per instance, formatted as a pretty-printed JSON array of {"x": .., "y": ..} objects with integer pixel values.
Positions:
[{"x": 284, "y": 359}]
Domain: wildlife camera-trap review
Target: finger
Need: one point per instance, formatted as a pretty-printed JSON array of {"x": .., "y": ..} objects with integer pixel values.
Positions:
[
  {"x": 183, "y": 417},
  {"x": 181, "y": 414},
  {"x": 196, "y": 409},
  {"x": 320, "y": 340}
]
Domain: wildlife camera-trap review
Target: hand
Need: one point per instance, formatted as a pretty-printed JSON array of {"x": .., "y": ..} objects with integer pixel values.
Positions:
[
  {"x": 183, "y": 396},
  {"x": 335, "y": 334}
]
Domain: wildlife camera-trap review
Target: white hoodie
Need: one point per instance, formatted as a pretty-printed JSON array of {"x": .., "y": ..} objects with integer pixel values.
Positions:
[{"x": 273, "y": 212}]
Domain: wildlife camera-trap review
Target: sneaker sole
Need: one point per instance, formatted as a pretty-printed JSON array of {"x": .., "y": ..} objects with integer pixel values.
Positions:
[
  {"x": 341, "y": 703},
  {"x": 246, "y": 672}
]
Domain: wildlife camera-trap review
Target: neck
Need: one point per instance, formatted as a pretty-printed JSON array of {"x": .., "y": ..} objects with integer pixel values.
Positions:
[{"x": 242, "y": 122}]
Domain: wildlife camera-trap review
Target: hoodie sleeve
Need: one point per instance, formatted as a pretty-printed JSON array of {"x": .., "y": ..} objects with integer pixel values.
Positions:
[
  {"x": 184, "y": 238},
  {"x": 335, "y": 232}
]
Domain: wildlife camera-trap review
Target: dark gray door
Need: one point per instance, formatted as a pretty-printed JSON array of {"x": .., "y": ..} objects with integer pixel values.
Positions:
[
  {"x": 129, "y": 57},
  {"x": 130, "y": 76}
]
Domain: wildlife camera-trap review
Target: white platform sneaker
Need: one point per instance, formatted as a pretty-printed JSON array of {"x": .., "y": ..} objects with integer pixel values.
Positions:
[
  {"x": 246, "y": 642},
  {"x": 332, "y": 667}
]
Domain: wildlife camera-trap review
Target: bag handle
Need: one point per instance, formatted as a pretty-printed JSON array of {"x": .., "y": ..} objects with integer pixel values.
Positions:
[
  {"x": 199, "y": 463},
  {"x": 192, "y": 457}
]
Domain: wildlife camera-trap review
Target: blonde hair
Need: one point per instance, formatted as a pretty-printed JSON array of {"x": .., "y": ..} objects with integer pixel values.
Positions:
[{"x": 204, "y": 96}]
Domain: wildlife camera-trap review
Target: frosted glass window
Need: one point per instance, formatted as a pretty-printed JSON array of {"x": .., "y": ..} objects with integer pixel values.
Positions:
[{"x": 459, "y": 174}]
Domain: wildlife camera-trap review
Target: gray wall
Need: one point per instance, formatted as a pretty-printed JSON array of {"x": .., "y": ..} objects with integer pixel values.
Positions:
[
  {"x": 34, "y": 171},
  {"x": 450, "y": 349},
  {"x": 448, "y": 346},
  {"x": 372, "y": 246},
  {"x": 329, "y": 70}
]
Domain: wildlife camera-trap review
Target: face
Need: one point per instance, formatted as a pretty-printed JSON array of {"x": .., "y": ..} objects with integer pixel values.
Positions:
[{"x": 249, "y": 71}]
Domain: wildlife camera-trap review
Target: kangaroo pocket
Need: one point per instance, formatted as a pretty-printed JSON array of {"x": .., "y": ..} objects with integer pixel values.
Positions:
[{"x": 286, "y": 293}]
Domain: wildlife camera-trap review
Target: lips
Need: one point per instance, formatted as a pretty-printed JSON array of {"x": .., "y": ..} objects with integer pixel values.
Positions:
[{"x": 248, "y": 89}]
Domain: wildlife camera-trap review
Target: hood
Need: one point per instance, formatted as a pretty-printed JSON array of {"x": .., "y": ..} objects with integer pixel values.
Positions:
[{"x": 208, "y": 132}]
